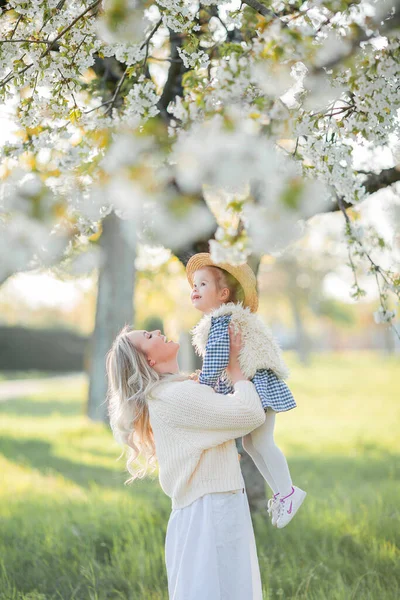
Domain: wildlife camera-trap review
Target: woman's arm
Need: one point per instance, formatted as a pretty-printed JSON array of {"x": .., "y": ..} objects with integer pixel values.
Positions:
[{"x": 207, "y": 419}]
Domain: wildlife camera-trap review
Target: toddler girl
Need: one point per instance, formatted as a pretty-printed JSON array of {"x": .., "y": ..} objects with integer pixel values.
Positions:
[{"x": 226, "y": 294}]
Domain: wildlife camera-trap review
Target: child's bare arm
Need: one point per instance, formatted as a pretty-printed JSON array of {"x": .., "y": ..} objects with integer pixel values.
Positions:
[{"x": 234, "y": 370}]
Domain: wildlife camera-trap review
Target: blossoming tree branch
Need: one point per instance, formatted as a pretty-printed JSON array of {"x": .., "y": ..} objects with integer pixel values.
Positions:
[{"x": 235, "y": 121}]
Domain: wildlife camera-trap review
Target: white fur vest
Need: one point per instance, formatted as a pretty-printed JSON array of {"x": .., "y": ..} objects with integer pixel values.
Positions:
[{"x": 260, "y": 349}]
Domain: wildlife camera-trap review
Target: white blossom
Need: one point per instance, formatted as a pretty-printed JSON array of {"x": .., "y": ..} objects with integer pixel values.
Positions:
[
  {"x": 384, "y": 316},
  {"x": 175, "y": 230},
  {"x": 252, "y": 112},
  {"x": 141, "y": 101},
  {"x": 232, "y": 254},
  {"x": 194, "y": 59}
]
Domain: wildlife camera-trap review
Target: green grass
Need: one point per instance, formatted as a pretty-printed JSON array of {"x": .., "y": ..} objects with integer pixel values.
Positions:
[{"x": 70, "y": 529}]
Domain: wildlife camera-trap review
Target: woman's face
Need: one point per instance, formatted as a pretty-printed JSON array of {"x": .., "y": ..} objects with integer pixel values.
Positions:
[{"x": 154, "y": 346}]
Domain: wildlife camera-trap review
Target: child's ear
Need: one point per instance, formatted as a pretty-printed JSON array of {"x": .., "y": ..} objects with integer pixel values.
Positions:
[{"x": 225, "y": 293}]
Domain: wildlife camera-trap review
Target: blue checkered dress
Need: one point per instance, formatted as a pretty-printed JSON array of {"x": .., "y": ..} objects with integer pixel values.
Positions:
[{"x": 273, "y": 392}]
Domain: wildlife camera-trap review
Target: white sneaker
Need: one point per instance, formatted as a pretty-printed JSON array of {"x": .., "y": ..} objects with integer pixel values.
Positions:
[
  {"x": 273, "y": 508},
  {"x": 289, "y": 505}
]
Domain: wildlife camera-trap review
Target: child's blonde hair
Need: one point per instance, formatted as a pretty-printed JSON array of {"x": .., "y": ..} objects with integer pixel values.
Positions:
[
  {"x": 226, "y": 280},
  {"x": 130, "y": 383}
]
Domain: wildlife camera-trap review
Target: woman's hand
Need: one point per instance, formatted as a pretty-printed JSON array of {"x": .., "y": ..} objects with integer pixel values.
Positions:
[{"x": 233, "y": 369}]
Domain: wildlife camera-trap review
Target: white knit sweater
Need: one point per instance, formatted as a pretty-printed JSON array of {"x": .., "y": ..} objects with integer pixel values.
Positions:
[{"x": 194, "y": 430}]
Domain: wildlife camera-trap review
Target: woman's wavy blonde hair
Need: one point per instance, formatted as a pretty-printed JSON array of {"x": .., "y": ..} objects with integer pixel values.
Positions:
[{"x": 130, "y": 383}]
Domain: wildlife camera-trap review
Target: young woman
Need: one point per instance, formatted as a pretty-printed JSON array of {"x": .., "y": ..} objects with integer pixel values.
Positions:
[{"x": 190, "y": 429}]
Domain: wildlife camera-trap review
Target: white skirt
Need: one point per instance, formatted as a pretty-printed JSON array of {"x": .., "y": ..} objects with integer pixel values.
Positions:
[{"x": 210, "y": 550}]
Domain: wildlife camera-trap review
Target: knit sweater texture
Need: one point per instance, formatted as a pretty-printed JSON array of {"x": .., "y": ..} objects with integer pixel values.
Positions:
[{"x": 194, "y": 431}]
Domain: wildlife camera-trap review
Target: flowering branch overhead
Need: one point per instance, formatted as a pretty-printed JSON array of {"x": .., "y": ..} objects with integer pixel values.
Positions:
[
  {"x": 52, "y": 45},
  {"x": 236, "y": 122}
]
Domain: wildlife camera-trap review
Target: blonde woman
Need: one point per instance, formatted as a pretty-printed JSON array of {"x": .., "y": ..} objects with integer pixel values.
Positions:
[{"x": 189, "y": 429}]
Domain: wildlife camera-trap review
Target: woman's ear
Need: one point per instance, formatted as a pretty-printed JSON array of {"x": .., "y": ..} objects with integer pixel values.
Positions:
[{"x": 151, "y": 362}]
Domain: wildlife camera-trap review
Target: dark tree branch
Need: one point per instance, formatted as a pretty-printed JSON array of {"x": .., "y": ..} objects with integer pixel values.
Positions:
[
  {"x": 147, "y": 41},
  {"x": 173, "y": 85},
  {"x": 260, "y": 8},
  {"x": 373, "y": 183},
  {"x": 57, "y": 8},
  {"x": 11, "y": 41},
  {"x": 16, "y": 26},
  {"x": 200, "y": 245},
  {"x": 145, "y": 44},
  {"x": 117, "y": 90},
  {"x": 378, "y": 181},
  {"x": 66, "y": 29},
  {"x": 12, "y": 76},
  {"x": 108, "y": 70}
]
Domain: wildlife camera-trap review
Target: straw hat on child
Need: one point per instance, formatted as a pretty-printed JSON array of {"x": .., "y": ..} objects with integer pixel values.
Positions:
[{"x": 243, "y": 274}]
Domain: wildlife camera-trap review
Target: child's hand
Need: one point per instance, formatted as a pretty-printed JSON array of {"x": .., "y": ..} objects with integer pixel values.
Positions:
[
  {"x": 195, "y": 376},
  {"x": 233, "y": 369}
]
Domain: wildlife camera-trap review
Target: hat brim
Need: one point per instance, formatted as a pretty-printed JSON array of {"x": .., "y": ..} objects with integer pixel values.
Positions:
[{"x": 243, "y": 273}]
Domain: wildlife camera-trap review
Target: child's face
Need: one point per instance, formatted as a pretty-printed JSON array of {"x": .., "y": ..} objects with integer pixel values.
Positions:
[{"x": 206, "y": 294}]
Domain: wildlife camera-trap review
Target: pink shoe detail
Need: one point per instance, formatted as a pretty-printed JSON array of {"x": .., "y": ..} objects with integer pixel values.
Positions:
[
  {"x": 286, "y": 513},
  {"x": 288, "y": 496}
]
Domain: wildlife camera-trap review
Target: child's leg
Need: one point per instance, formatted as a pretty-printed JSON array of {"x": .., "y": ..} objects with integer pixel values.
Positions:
[
  {"x": 262, "y": 439},
  {"x": 258, "y": 460}
]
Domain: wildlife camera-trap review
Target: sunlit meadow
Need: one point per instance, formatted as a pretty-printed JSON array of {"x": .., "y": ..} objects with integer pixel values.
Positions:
[{"x": 70, "y": 529}]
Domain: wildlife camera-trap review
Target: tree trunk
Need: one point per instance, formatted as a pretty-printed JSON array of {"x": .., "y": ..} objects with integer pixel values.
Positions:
[
  {"x": 389, "y": 341},
  {"x": 295, "y": 295},
  {"x": 187, "y": 357},
  {"x": 114, "y": 308},
  {"x": 302, "y": 341}
]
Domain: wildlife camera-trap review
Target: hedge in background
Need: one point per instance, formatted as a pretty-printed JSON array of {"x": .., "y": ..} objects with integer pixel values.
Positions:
[{"x": 41, "y": 349}]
